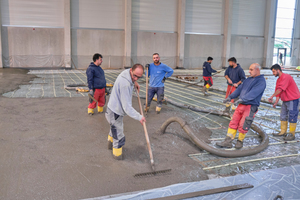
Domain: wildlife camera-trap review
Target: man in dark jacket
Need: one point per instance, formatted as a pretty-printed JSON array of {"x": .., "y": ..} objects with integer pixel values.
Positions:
[
  {"x": 235, "y": 76},
  {"x": 249, "y": 93},
  {"x": 96, "y": 83},
  {"x": 207, "y": 70}
]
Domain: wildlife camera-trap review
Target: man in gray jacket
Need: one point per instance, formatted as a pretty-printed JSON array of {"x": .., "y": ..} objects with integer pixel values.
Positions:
[{"x": 119, "y": 105}]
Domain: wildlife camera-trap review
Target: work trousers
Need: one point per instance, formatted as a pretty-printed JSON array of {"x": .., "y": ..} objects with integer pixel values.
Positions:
[
  {"x": 230, "y": 90},
  {"x": 99, "y": 95},
  {"x": 208, "y": 80},
  {"x": 243, "y": 117},
  {"x": 289, "y": 111},
  {"x": 159, "y": 91},
  {"x": 116, "y": 128}
]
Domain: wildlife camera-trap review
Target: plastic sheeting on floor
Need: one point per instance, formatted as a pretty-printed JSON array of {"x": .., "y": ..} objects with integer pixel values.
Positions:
[{"x": 267, "y": 185}]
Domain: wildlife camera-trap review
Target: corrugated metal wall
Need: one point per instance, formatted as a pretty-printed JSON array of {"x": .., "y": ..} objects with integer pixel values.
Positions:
[
  {"x": 154, "y": 15},
  {"x": 248, "y": 17},
  {"x": 204, "y": 16},
  {"x": 100, "y": 14}
]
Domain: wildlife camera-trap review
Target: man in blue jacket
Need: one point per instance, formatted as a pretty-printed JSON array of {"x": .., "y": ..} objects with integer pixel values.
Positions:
[
  {"x": 249, "y": 93},
  {"x": 96, "y": 83},
  {"x": 207, "y": 70},
  {"x": 158, "y": 73},
  {"x": 235, "y": 76}
]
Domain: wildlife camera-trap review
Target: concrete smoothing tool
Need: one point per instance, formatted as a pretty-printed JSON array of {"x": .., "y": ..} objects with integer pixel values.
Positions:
[{"x": 153, "y": 173}]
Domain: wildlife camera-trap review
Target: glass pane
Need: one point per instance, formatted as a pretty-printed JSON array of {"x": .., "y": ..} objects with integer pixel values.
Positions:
[
  {"x": 285, "y": 13},
  {"x": 284, "y": 23},
  {"x": 283, "y": 33},
  {"x": 286, "y": 4}
]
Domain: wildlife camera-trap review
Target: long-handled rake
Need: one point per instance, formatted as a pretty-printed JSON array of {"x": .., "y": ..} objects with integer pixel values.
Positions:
[{"x": 149, "y": 148}]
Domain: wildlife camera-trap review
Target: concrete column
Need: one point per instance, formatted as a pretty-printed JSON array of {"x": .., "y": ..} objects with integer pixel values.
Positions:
[
  {"x": 227, "y": 4},
  {"x": 296, "y": 41},
  {"x": 127, "y": 46},
  {"x": 269, "y": 33},
  {"x": 180, "y": 32},
  {"x": 67, "y": 33}
]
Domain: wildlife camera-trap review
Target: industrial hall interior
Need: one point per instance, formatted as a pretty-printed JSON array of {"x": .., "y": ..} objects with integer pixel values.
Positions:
[{"x": 150, "y": 99}]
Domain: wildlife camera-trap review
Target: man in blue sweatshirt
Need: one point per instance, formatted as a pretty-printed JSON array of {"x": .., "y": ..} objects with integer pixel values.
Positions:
[
  {"x": 235, "y": 76},
  {"x": 119, "y": 105},
  {"x": 96, "y": 83},
  {"x": 249, "y": 93},
  {"x": 158, "y": 73},
  {"x": 207, "y": 70}
]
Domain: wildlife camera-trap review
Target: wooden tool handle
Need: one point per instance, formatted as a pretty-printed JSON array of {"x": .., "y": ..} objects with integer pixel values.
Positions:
[
  {"x": 146, "y": 132},
  {"x": 147, "y": 89}
]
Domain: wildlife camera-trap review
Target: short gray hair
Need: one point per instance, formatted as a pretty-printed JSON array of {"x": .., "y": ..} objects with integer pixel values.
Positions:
[{"x": 257, "y": 66}]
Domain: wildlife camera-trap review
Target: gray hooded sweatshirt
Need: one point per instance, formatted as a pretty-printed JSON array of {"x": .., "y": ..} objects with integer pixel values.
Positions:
[{"x": 120, "y": 100}]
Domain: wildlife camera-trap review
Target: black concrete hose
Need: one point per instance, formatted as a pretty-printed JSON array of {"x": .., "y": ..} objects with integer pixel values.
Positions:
[{"x": 219, "y": 152}]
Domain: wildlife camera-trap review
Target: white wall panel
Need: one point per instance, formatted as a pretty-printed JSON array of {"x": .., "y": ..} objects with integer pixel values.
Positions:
[
  {"x": 154, "y": 15},
  {"x": 204, "y": 16},
  {"x": 32, "y": 13},
  {"x": 248, "y": 17},
  {"x": 100, "y": 14}
]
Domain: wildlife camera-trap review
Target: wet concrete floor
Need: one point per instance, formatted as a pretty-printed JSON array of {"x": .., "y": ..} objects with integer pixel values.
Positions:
[{"x": 51, "y": 149}]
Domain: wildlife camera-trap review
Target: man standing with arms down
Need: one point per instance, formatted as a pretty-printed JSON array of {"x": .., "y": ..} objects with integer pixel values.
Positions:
[
  {"x": 286, "y": 90},
  {"x": 249, "y": 93},
  {"x": 235, "y": 76},
  {"x": 207, "y": 70},
  {"x": 158, "y": 73},
  {"x": 96, "y": 83},
  {"x": 119, "y": 105}
]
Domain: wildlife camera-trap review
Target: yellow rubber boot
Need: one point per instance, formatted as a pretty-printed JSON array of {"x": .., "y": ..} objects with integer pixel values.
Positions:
[
  {"x": 117, "y": 153},
  {"x": 100, "y": 109},
  {"x": 239, "y": 142},
  {"x": 283, "y": 129},
  {"x": 90, "y": 111},
  {"x": 158, "y": 109},
  {"x": 233, "y": 107},
  {"x": 291, "y": 135},
  {"x": 242, "y": 136},
  {"x": 109, "y": 142},
  {"x": 231, "y": 133},
  {"x": 227, "y": 143}
]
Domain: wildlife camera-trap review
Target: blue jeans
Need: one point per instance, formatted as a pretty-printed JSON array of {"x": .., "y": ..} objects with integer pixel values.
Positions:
[
  {"x": 290, "y": 111},
  {"x": 159, "y": 91}
]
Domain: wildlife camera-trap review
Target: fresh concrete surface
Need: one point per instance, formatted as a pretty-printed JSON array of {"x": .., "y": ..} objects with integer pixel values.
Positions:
[{"x": 50, "y": 148}]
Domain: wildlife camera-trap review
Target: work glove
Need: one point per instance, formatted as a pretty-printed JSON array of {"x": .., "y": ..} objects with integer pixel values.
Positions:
[
  {"x": 237, "y": 102},
  {"x": 91, "y": 92},
  {"x": 164, "y": 79},
  {"x": 228, "y": 99}
]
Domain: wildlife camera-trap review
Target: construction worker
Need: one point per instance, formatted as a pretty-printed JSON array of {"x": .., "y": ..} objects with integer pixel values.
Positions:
[
  {"x": 235, "y": 76},
  {"x": 158, "y": 73},
  {"x": 207, "y": 70},
  {"x": 119, "y": 105},
  {"x": 286, "y": 90},
  {"x": 96, "y": 83},
  {"x": 249, "y": 93}
]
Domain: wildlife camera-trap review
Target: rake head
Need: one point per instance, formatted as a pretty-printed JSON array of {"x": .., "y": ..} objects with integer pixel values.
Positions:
[{"x": 154, "y": 173}]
